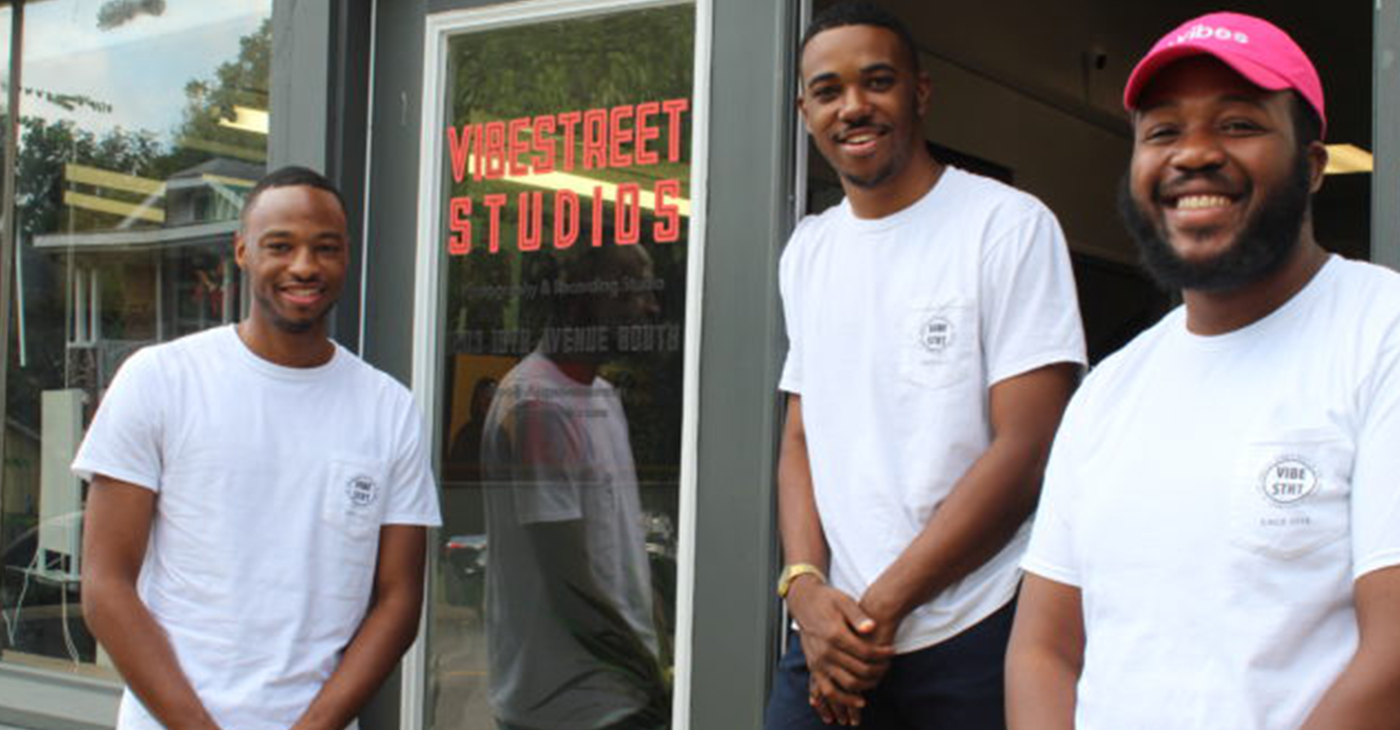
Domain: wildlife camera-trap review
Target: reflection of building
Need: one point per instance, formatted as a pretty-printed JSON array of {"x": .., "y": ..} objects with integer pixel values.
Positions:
[{"x": 138, "y": 283}]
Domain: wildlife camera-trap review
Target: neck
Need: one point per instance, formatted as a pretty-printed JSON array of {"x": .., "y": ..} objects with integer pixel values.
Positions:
[
  {"x": 907, "y": 186},
  {"x": 1219, "y": 312},
  {"x": 307, "y": 349}
]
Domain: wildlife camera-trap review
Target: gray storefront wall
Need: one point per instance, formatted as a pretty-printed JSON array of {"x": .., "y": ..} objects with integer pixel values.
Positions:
[{"x": 346, "y": 96}]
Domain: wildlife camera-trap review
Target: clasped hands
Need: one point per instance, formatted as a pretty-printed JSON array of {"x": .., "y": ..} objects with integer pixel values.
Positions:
[{"x": 848, "y": 646}]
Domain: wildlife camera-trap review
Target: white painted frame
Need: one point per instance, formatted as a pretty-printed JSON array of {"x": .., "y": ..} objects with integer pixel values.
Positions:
[{"x": 438, "y": 28}]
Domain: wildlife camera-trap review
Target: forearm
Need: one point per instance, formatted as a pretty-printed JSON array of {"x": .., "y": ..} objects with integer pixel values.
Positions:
[
  {"x": 142, "y": 654},
  {"x": 1045, "y": 656},
  {"x": 385, "y": 634},
  {"x": 799, "y": 524},
  {"x": 1040, "y": 690},
  {"x": 980, "y": 516},
  {"x": 1363, "y": 698}
]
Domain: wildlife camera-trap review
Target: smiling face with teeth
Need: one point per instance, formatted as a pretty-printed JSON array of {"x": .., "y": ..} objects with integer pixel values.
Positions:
[
  {"x": 863, "y": 101},
  {"x": 1218, "y": 190},
  {"x": 294, "y": 248}
]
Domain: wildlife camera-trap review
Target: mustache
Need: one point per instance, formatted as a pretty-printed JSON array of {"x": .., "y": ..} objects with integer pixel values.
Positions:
[
  {"x": 1176, "y": 187},
  {"x": 861, "y": 125}
]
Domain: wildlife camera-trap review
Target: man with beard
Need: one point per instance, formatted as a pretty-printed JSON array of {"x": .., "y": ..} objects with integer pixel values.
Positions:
[
  {"x": 254, "y": 535},
  {"x": 1218, "y": 542},
  {"x": 933, "y": 341}
]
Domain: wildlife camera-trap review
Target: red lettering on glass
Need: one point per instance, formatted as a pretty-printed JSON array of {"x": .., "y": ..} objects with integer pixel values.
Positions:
[
  {"x": 595, "y": 142},
  {"x": 597, "y": 216},
  {"x": 674, "y": 108},
  {"x": 544, "y": 145},
  {"x": 618, "y": 136},
  {"x": 495, "y": 150},
  {"x": 565, "y": 212},
  {"x": 459, "y": 212},
  {"x": 627, "y": 214},
  {"x": 646, "y": 133},
  {"x": 493, "y": 202},
  {"x": 667, "y": 228},
  {"x": 518, "y": 147},
  {"x": 530, "y": 224},
  {"x": 569, "y": 121},
  {"x": 457, "y": 144}
]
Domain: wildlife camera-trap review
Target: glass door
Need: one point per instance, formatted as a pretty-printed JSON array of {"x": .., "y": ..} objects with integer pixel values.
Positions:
[{"x": 556, "y": 235}]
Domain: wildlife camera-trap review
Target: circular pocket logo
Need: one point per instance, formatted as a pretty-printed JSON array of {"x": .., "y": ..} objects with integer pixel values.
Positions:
[
  {"x": 936, "y": 334},
  {"x": 1288, "y": 480},
  {"x": 360, "y": 490}
]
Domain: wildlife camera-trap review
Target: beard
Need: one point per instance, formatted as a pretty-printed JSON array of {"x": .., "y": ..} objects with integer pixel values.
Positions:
[{"x": 1269, "y": 236}]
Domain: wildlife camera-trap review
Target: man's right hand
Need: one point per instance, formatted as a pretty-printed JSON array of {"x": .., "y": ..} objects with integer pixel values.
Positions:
[{"x": 837, "y": 639}]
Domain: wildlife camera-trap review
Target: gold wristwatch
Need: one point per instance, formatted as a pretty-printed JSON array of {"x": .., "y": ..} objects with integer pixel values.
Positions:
[{"x": 795, "y": 571}]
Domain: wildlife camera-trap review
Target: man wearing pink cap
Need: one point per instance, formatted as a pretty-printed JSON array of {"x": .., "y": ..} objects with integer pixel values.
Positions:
[{"x": 1219, "y": 533}]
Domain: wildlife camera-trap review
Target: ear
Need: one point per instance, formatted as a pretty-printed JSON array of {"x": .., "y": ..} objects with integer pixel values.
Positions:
[
  {"x": 802, "y": 109},
  {"x": 1317, "y": 165},
  {"x": 240, "y": 250}
]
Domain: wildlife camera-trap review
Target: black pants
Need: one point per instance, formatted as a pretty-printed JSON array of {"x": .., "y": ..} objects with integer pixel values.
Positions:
[{"x": 955, "y": 685}]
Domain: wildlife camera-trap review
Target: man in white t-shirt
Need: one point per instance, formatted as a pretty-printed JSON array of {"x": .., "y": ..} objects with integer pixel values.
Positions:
[
  {"x": 934, "y": 338},
  {"x": 254, "y": 537},
  {"x": 1218, "y": 542},
  {"x": 571, "y": 633}
]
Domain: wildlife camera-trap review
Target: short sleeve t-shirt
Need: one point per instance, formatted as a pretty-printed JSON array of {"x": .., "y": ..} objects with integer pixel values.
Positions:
[
  {"x": 272, "y": 484},
  {"x": 897, "y": 328},
  {"x": 1213, "y": 498}
]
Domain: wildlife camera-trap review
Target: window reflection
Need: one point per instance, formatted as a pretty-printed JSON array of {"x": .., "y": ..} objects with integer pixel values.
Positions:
[
  {"x": 133, "y": 161},
  {"x": 565, "y": 205}
]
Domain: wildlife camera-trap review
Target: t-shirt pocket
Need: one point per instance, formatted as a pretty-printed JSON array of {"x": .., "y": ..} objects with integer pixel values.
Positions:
[
  {"x": 355, "y": 497},
  {"x": 1291, "y": 493},
  {"x": 937, "y": 344}
]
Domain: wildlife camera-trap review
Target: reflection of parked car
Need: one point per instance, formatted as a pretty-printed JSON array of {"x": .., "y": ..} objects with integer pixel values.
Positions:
[{"x": 465, "y": 557}]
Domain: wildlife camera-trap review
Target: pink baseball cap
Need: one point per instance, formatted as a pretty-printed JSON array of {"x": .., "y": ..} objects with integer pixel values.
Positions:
[{"x": 1256, "y": 49}]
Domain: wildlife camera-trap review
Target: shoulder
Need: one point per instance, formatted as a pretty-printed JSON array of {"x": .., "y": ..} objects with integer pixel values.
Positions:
[
  {"x": 167, "y": 359},
  {"x": 1002, "y": 205},
  {"x": 369, "y": 382},
  {"x": 1106, "y": 380},
  {"x": 810, "y": 232},
  {"x": 1371, "y": 287}
]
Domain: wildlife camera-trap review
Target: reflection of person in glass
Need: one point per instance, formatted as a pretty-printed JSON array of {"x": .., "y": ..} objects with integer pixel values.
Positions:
[
  {"x": 465, "y": 453},
  {"x": 572, "y": 639}
]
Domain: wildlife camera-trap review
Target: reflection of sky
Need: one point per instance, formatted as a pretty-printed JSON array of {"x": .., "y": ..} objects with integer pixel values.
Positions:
[{"x": 139, "y": 68}]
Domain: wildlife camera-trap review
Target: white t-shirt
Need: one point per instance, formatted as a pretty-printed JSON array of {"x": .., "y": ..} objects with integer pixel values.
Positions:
[
  {"x": 897, "y": 328},
  {"x": 557, "y": 451},
  {"x": 271, "y": 483},
  {"x": 1214, "y": 498}
]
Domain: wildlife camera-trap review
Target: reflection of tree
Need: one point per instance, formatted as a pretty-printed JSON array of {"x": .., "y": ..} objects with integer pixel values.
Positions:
[
  {"x": 47, "y": 146},
  {"x": 576, "y": 64},
  {"x": 571, "y": 65},
  {"x": 240, "y": 82}
]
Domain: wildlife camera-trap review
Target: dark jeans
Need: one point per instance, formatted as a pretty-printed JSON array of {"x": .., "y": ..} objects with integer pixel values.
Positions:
[{"x": 955, "y": 685}]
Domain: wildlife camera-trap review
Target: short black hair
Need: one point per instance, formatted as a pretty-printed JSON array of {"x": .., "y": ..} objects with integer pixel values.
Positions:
[
  {"x": 292, "y": 176},
  {"x": 858, "y": 12},
  {"x": 1307, "y": 125}
]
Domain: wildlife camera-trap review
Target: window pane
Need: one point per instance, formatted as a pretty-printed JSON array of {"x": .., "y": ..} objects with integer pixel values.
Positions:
[
  {"x": 142, "y": 126},
  {"x": 565, "y": 199}
]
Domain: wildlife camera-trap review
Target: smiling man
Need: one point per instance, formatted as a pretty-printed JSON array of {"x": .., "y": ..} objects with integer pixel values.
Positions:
[
  {"x": 934, "y": 338},
  {"x": 1220, "y": 533},
  {"x": 254, "y": 535}
]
